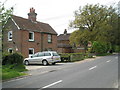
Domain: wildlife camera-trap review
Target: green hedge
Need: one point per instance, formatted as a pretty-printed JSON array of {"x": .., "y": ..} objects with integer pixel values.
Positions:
[
  {"x": 14, "y": 58},
  {"x": 71, "y": 57}
]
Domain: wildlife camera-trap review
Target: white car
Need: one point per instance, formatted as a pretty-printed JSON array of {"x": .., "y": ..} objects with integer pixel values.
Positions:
[{"x": 45, "y": 58}]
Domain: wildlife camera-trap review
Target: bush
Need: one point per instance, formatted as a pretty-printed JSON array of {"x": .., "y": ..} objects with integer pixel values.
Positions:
[
  {"x": 99, "y": 47},
  {"x": 14, "y": 58},
  {"x": 71, "y": 57}
]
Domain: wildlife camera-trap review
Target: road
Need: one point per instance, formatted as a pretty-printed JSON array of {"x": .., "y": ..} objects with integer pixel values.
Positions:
[{"x": 99, "y": 73}]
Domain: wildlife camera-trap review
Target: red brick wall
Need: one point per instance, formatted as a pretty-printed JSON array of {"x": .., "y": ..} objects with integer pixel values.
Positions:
[
  {"x": 47, "y": 45},
  {"x": 26, "y": 44},
  {"x": 21, "y": 40}
]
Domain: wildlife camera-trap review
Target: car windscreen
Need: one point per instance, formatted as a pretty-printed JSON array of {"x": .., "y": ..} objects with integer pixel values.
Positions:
[{"x": 55, "y": 54}]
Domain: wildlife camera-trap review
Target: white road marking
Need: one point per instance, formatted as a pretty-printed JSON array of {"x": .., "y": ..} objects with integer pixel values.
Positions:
[
  {"x": 92, "y": 67},
  {"x": 108, "y": 61},
  {"x": 116, "y": 57},
  {"x": 52, "y": 84}
]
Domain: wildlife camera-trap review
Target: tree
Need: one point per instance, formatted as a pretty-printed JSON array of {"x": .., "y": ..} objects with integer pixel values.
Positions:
[
  {"x": 4, "y": 14},
  {"x": 94, "y": 23}
]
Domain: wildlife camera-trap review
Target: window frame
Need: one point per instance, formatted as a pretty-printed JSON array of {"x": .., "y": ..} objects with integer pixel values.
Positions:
[
  {"x": 10, "y": 36},
  {"x": 31, "y": 49},
  {"x": 49, "y": 38},
  {"x": 10, "y": 49},
  {"x": 32, "y": 36}
]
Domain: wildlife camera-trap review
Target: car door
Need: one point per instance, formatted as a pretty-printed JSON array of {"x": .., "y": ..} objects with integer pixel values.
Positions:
[{"x": 34, "y": 59}]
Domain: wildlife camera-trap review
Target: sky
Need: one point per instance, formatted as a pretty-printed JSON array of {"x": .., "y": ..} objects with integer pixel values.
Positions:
[{"x": 57, "y": 13}]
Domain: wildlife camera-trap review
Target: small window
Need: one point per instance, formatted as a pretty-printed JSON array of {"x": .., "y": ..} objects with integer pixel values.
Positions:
[
  {"x": 47, "y": 54},
  {"x": 31, "y": 51},
  {"x": 10, "y": 50},
  {"x": 10, "y": 36},
  {"x": 31, "y": 36},
  {"x": 49, "y": 38}
]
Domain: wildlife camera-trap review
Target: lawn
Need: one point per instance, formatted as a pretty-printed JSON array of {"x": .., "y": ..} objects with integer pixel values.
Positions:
[{"x": 9, "y": 72}]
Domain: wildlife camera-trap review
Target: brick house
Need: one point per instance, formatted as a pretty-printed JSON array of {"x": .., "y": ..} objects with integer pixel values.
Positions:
[
  {"x": 64, "y": 44},
  {"x": 28, "y": 36}
]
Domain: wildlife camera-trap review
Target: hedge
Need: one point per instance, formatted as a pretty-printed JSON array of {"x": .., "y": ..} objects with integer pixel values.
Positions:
[{"x": 71, "y": 57}]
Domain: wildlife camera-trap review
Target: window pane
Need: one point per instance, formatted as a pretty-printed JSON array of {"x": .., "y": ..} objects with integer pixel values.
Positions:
[
  {"x": 41, "y": 54},
  {"x": 47, "y": 54},
  {"x": 30, "y": 35},
  {"x": 49, "y": 38},
  {"x": 55, "y": 54},
  {"x": 10, "y": 50},
  {"x": 10, "y": 35},
  {"x": 31, "y": 51}
]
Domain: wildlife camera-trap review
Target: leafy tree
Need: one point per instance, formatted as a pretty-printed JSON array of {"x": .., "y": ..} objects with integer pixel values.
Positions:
[
  {"x": 95, "y": 23},
  {"x": 4, "y": 14}
]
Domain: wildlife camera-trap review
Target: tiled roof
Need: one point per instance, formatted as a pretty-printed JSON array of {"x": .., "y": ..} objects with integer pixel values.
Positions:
[
  {"x": 26, "y": 24},
  {"x": 63, "y": 37}
]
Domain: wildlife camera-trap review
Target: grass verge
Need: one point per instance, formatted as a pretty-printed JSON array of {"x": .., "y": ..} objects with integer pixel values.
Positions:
[{"x": 10, "y": 71}]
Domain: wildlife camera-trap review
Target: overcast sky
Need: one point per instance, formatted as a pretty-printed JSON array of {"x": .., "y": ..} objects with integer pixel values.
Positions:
[{"x": 57, "y": 13}]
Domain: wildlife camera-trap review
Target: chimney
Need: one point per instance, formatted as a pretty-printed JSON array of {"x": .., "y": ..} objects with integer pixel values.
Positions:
[
  {"x": 65, "y": 32},
  {"x": 32, "y": 15}
]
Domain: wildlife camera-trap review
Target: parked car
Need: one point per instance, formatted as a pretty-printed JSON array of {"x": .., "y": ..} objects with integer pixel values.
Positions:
[{"x": 45, "y": 58}]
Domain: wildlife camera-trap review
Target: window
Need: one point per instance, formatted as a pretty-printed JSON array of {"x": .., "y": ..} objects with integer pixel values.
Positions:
[
  {"x": 10, "y": 36},
  {"x": 49, "y": 38},
  {"x": 55, "y": 54},
  {"x": 10, "y": 50},
  {"x": 31, "y": 36},
  {"x": 47, "y": 54},
  {"x": 41, "y": 54},
  {"x": 31, "y": 51}
]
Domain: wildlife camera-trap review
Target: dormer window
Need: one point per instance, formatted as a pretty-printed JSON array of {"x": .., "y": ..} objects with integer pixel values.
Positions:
[
  {"x": 10, "y": 36},
  {"x": 31, "y": 36}
]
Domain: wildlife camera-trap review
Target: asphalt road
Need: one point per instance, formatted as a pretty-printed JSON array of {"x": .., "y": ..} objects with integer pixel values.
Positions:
[{"x": 99, "y": 73}]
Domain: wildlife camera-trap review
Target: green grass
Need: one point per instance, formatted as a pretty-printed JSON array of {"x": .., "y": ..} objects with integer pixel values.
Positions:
[{"x": 9, "y": 72}]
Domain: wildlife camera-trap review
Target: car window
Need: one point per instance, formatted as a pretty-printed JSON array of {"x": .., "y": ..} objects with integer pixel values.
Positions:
[
  {"x": 41, "y": 54},
  {"x": 47, "y": 54},
  {"x": 35, "y": 55},
  {"x": 55, "y": 54}
]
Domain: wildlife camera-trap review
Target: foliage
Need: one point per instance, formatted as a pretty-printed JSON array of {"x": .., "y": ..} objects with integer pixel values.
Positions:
[
  {"x": 71, "y": 57},
  {"x": 8, "y": 72},
  {"x": 4, "y": 13},
  {"x": 14, "y": 58},
  {"x": 99, "y": 47},
  {"x": 95, "y": 23}
]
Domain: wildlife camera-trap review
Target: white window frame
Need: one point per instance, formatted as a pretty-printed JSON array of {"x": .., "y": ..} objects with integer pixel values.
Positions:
[
  {"x": 10, "y": 49},
  {"x": 33, "y": 51},
  {"x": 32, "y": 36},
  {"x": 49, "y": 38},
  {"x": 9, "y": 37}
]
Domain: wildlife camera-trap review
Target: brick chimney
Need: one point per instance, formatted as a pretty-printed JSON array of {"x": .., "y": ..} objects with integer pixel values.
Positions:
[{"x": 32, "y": 15}]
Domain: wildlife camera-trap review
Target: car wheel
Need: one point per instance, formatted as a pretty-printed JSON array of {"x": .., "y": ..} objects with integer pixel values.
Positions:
[
  {"x": 44, "y": 62},
  {"x": 26, "y": 62}
]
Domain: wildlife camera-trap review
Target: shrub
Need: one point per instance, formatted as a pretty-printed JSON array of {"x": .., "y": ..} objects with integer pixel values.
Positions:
[
  {"x": 99, "y": 47},
  {"x": 71, "y": 57},
  {"x": 14, "y": 58}
]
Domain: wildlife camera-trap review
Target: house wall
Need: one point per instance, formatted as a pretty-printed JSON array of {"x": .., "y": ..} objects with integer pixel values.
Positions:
[
  {"x": 10, "y": 44},
  {"x": 21, "y": 41},
  {"x": 52, "y": 45},
  {"x": 26, "y": 44}
]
